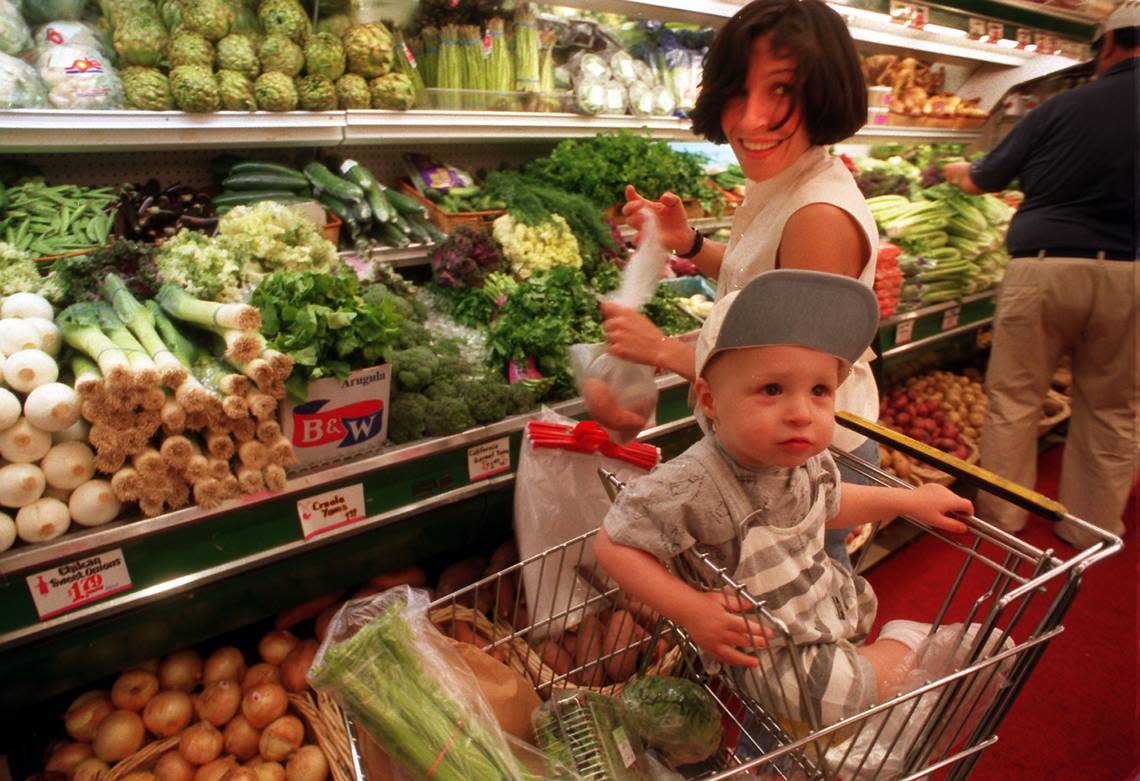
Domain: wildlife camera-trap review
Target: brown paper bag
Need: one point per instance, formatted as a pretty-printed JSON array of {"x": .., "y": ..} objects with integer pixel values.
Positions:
[{"x": 510, "y": 695}]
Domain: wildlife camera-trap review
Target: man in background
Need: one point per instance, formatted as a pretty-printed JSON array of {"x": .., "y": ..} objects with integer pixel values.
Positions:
[{"x": 1071, "y": 288}]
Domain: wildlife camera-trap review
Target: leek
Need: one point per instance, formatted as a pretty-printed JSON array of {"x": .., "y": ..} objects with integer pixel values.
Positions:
[
  {"x": 79, "y": 327},
  {"x": 140, "y": 321},
  {"x": 142, "y": 366},
  {"x": 208, "y": 314}
]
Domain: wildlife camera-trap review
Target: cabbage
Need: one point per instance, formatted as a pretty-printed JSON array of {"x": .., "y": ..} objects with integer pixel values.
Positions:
[
  {"x": 15, "y": 37},
  {"x": 675, "y": 716},
  {"x": 20, "y": 87}
]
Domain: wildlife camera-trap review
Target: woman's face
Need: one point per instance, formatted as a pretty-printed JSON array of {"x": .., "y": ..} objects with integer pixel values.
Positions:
[{"x": 749, "y": 119}]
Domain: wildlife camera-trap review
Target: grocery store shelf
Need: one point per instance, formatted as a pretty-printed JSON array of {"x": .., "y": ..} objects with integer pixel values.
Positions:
[
  {"x": 496, "y": 126},
  {"x": 42, "y": 130},
  {"x": 911, "y": 331}
]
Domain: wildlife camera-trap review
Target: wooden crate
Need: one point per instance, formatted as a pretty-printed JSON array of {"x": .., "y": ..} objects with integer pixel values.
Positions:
[{"x": 449, "y": 221}]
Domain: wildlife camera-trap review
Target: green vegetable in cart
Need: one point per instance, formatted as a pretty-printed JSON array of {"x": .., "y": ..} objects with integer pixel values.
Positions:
[
  {"x": 674, "y": 715},
  {"x": 146, "y": 89},
  {"x": 324, "y": 56},
  {"x": 190, "y": 49},
  {"x": 392, "y": 91},
  {"x": 278, "y": 53},
  {"x": 275, "y": 92},
  {"x": 208, "y": 18},
  {"x": 195, "y": 89},
  {"x": 285, "y": 17},
  {"x": 368, "y": 48},
  {"x": 236, "y": 90},
  {"x": 316, "y": 93},
  {"x": 238, "y": 53},
  {"x": 352, "y": 92}
]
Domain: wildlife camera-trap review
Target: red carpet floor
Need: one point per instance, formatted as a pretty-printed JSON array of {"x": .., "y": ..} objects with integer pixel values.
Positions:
[{"x": 1077, "y": 718}]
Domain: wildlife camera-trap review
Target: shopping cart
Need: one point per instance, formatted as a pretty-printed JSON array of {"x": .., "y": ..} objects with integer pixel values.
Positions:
[{"x": 1010, "y": 594}]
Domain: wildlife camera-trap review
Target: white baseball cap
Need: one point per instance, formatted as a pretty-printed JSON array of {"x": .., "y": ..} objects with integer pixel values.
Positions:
[{"x": 1127, "y": 14}]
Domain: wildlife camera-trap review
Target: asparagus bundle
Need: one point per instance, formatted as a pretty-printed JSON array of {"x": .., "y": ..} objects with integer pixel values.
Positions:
[
  {"x": 450, "y": 73},
  {"x": 546, "y": 40},
  {"x": 526, "y": 50},
  {"x": 429, "y": 58},
  {"x": 474, "y": 67}
]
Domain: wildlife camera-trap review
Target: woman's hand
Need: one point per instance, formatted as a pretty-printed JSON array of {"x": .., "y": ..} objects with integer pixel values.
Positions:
[
  {"x": 672, "y": 222},
  {"x": 631, "y": 335},
  {"x": 932, "y": 504},
  {"x": 712, "y": 623},
  {"x": 603, "y": 406}
]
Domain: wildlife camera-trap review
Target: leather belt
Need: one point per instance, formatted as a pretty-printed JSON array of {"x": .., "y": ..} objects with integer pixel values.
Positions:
[{"x": 1073, "y": 253}]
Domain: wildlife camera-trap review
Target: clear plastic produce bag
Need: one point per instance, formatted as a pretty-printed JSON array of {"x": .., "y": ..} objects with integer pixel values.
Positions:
[
  {"x": 15, "y": 37},
  {"x": 63, "y": 32},
  {"x": 20, "y": 85},
  {"x": 80, "y": 78},
  {"x": 405, "y": 683},
  {"x": 559, "y": 497}
]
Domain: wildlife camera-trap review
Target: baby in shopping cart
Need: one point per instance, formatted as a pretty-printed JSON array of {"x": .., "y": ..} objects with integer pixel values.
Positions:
[{"x": 755, "y": 495}]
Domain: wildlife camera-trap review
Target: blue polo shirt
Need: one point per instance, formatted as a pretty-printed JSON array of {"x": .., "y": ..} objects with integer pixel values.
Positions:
[{"x": 1076, "y": 157}]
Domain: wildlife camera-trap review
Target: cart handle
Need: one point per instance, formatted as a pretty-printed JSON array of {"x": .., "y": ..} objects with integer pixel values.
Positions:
[{"x": 1023, "y": 497}]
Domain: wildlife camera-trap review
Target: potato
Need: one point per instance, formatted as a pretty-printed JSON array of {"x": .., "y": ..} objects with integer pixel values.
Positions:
[{"x": 901, "y": 465}]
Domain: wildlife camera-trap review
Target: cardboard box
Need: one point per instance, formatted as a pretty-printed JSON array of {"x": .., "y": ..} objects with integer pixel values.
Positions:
[{"x": 342, "y": 420}]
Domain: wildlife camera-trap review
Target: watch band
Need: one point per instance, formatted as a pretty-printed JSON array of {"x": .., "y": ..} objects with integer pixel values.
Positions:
[{"x": 698, "y": 243}]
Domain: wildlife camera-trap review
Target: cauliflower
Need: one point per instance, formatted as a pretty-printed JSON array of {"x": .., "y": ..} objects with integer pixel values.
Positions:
[
  {"x": 270, "y": 237},
  {"x": 201, "y": 266},
  {"x": 20, "y": 85},
  {"x": 531, "y": 248},
  {"x": 18, "y": 272}
]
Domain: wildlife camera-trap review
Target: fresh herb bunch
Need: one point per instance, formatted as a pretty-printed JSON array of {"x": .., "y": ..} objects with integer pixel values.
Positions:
[
  {"x": 662, "y": 309},
  {"x": 323, "y": 322},
  {"x": 541, "y": 318},
  {"x": 465, "y": 259},
  {"x": 602, "y": 166},
  {"x": 468, "y": 306}
]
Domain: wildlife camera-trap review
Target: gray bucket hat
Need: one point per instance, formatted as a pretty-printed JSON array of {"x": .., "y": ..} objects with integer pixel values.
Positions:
[{"x": 826, "y": 312}]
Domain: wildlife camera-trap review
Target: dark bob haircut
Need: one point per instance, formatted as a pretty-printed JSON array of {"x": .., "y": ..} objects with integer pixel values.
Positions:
[{"x": 829, "y": 88}]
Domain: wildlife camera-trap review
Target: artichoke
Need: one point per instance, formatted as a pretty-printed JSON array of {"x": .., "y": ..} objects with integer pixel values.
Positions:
[
  {"x": 238, "y": 53},
  {"x": 209, "y": 18},
  {"x": 190, "y": 49},
  {"x": 324, "y": 56},
  {"x": 316, "y": 93},
  {"x": 335, "y": 24},
  {"x": 275, "y": 92},
  {"x": 237, "y": 91},
  {"x": 245, "y": 20},
  {"x": 369, "y": 49},
  {"x": 141, "y": 40},
  {"x": 195, "y": 89},
  {"x": 285, "y": 17},
  {"x": 352, "y": 92},
  {"x": 393, "y": 91},
  {"x": 171, "y": 12},
  {"x": 146, "y": 89},
  {"x": 278, "y": 54}
]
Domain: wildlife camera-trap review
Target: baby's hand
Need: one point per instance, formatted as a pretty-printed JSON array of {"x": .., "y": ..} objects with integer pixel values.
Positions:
[
  {"x": 714, "y": 627},
  {"x": 932, "y": 504}
]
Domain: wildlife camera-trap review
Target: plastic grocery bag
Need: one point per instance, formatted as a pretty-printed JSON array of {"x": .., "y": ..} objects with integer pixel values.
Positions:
[
  {"x": 20, "y": 85},
  {"x": 604, "y": 379},
  {"x": 559, "y": 497},
  {"x": 404, "y": 682}
]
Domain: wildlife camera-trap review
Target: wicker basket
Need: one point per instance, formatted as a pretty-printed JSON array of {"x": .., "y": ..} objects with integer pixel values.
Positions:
[
  {"x": 525, "y": 660},
  {"x": 928, "y": 474},
  {"x": 324, "y": 723},
  {"x": 449, "y": 221}
]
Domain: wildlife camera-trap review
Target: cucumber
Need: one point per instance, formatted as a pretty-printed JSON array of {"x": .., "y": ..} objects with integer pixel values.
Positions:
[
  {"x": 403, "y": 204},
  {"x": 244, "y": 197},
  {"x": 359, "y": 175},
  {"x": 362, "y": 212},
  {"x": 401, "y": 223},
  {"x": 325, "y": 181},
  {"x": 388, "y": 233},
  {"x": 341, "y": 209},
  {"x": 418, "y": 233},
  {"x": 426, "y": 225},
  {"x": 265, "y": 181},
  {"x": 259, "y": 167}
]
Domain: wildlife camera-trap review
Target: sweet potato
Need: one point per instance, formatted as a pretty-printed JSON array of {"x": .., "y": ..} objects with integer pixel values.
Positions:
[
  {"x": 590, "y": 646},
  {"x": 504, "y": 556},
  {"x": 409, "y": 576},
  {"x": 322, "y": 624},
  {"x": 459, "y": 574},
  {"x": 623, "y": 634},
  {"x": 306, "y": 610},
  {"x": 554, "y": 656}
]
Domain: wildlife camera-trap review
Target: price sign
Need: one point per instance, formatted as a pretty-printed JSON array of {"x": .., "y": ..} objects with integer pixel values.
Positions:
[
  {"x": 919, "y": 16},
  {"x": 1044, "y": 43},
  {"x": 977, "y": 28},
  {"x": 995, "y": 31},
  {"x": 900, "y": 11},
  {"x": 489, "y": 458},
  {"x": 950, "y": 318},
  {"x": 904, "y": 331},
  {"x": 1024, "y": 37},
  {"x": 77, "y": 583},
  {"x": 331, "y": 510}
]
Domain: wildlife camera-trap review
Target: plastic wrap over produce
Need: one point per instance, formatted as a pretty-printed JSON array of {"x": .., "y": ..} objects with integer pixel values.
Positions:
[
  {"x": 76, "y": 68},
  {"x": 15, "y": 37},
  {"x": 404, "y": 682},
  {"x": 20, "y": 85}
]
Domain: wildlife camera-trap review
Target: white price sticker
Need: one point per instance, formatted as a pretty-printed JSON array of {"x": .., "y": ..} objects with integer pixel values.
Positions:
[
  {"x": 950, "y": 318},
  {"x": 489, "y": 458},
  {"x": 331, "y": 510},
  {"x": 903, "y": 331},
  {"x": 77, "y": 583}
]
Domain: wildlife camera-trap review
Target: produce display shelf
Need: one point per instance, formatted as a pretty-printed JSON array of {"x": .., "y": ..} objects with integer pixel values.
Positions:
[
  {"x": 911, "y": 331},
  {"x": 171, "y": 558},
  {"x": 47, "y": 131}
]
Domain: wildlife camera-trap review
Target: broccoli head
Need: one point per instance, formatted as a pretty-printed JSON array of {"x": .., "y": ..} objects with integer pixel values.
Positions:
[
  {"x": 487, "y": 400},
  {"x": 447, "y": 416},
  {"x": 407, "y": 417},
  {"x": 415, "y": 368},
  {"x": 520, "y": 398}
]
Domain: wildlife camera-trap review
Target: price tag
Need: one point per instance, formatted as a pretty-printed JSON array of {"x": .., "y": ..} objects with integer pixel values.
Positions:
[
  {"x": 1044, "y": 43},
  {"x": 995, "y": 31},
  {"x": 903, "y": 331},
  {"x": 950, "y": 318},
  {"x": 900, "y": 11},
  {"x": 919, "y": 16},
  {"x": 331, "y": 510},
  {"x": 1024, "y": 37},
  {"x": 489, "y": 458},
  {"x": 77, "y": 583},
  {"x": 977, "y": 28}
]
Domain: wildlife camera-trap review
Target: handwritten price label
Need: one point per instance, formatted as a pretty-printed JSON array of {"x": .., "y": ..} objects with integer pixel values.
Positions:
[
  {"x": 78, "y": 583},
  {"x": 950, "y": 318},
  {"x": 489, "y": 458},
  {"x": 904, "y": 331},
  {"x": 331, "y": 510}
]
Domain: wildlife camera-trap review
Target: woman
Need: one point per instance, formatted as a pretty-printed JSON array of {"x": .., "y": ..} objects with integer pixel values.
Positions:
[{"x": 781, "y": 81}]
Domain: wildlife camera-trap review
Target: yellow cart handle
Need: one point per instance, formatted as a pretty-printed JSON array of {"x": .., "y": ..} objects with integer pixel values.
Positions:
[{"x": 1023, "y": 497}]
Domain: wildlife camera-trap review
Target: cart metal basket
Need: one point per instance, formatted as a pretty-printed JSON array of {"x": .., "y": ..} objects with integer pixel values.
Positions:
[{"x": 938, "y": 729}]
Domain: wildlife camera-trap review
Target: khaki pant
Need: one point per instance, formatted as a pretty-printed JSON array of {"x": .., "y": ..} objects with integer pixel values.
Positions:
[{"x": 1049, "y": 307}]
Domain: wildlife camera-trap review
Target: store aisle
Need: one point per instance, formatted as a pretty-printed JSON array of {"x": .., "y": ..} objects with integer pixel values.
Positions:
[{"x": 1076, "y": 719}]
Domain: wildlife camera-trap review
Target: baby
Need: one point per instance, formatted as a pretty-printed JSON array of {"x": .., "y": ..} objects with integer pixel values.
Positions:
[{"x": 756, "y": 494}]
